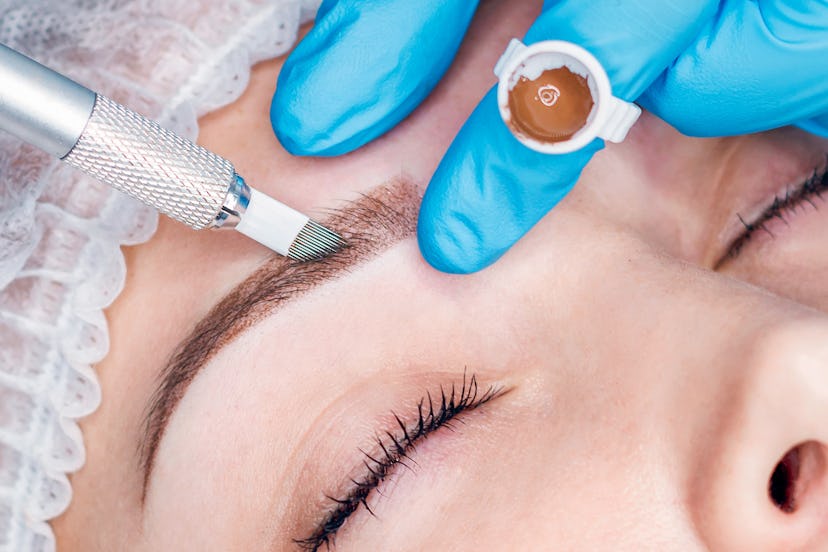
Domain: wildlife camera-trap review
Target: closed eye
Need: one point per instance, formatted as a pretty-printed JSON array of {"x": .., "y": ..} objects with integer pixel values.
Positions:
[
  {"x": 392, "y": 448},
  {"x": 809, "y": 193}
]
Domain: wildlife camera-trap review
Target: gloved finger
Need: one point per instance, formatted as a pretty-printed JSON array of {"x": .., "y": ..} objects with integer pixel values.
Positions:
[
  {"x": 489, "y": 189},
  {"x": 362, "y": 69},
  {"x": 817, "y": 125},
  {"x": 758, "y": 65}
]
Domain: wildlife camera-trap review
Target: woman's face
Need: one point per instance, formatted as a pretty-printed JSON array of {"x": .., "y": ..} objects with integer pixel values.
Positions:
[{"x": 628, "y": 376}]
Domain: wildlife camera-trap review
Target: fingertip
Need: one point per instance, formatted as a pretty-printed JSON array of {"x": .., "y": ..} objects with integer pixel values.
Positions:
[
  {"x": 450, "y": 245},
  {"x": 295, "y": 134},
  {"x": 302, "y": 137},
  {"x": 283, "y": 123},
  {"x": 817, "y": 126},
  {"x": 307, "y": 115},
  {"x": 488, "y": 191},
  {"x": 300, "y": 130},
  {"x": 362, "y": 69}
]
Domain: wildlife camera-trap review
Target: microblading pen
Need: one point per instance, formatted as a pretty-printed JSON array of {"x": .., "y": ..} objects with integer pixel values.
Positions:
[{"x": 139, "y": 157}]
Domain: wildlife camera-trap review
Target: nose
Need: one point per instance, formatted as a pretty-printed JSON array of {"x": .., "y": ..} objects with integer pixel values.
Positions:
[{"x": 763, "y": 485}]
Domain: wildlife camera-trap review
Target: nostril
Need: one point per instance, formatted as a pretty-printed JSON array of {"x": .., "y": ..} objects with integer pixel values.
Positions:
[
  {"x": 799, "y": 470},
  {"x": 783, "y": 481}
]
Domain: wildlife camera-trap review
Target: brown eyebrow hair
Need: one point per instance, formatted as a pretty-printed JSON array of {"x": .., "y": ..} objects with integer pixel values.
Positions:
[{"x": 369, "y": 225}]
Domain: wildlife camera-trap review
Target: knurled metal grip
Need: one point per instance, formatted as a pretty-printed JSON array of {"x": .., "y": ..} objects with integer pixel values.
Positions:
[{"x": 139, "y": 157}]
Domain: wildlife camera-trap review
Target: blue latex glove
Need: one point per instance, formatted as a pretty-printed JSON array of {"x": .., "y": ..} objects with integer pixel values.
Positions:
[{"x": 740, "y": 66}]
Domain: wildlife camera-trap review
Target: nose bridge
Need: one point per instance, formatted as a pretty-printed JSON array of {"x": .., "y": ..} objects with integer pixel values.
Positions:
[
  {"x": 792, "y": 374},
  {"x": 763, "y": 486},
  {"x": 726, "y": 376}
]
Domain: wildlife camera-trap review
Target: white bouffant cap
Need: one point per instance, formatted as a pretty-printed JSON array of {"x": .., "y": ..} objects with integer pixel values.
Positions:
[{"x": 61, "y": 232}]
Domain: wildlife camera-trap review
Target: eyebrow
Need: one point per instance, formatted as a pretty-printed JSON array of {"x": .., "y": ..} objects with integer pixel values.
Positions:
[{"x": 370, "y": 225}]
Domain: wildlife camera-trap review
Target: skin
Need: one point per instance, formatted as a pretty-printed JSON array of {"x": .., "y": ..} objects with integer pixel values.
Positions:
[{"x": 649, "y": 396}]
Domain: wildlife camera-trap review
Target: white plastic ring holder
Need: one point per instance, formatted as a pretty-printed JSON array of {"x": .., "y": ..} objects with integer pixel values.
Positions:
[{"x": 610, "y": 118}]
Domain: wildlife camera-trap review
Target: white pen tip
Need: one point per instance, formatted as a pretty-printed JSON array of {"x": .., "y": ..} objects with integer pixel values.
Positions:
[{"x": 286, "y": 230}]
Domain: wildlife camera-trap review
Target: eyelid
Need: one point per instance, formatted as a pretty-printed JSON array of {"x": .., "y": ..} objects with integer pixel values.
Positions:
[
  {"x": 372, "y": 223},
  {"x": 781, "y": 204},
  {"x": 392, "y": 446}
]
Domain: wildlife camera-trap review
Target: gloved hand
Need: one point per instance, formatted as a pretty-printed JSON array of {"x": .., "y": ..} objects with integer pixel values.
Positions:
[{"x": 740, "y": 66}]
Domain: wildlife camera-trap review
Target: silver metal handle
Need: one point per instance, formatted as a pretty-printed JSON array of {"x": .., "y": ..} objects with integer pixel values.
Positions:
[
  {"x": 139, "y": 157},
  {"x": 121, "y": 148},
  {"x": 40, "y": 106}
]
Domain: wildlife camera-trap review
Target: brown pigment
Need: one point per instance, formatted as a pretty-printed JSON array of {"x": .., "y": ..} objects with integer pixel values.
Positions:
[{"x": 551, "y": 108}]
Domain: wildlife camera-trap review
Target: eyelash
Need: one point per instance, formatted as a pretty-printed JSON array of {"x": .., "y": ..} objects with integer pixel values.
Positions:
[
  {"x": 813, "y": 187},
  {"x": 393, "y": 450}
]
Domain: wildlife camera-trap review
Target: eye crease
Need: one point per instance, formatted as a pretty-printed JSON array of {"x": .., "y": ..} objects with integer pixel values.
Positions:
[
  {"x": 392, "y": 448},
  {"x": 807, "y": 192}
]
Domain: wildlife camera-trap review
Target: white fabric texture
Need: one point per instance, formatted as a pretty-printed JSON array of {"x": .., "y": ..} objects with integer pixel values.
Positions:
[{"x": 61, "y": 232}]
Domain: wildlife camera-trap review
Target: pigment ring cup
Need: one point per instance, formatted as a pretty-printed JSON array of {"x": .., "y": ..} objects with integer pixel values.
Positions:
[{"x": 555, "y": 97}]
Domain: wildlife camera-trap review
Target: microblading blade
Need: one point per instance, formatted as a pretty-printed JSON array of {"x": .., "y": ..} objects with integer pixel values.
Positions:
[
  {"x": 286, "y": 230},
  {"x": 315, "y": 241}
]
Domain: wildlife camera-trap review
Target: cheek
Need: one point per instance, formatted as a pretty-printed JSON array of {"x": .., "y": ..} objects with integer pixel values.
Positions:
[{"x": 522, "y": 475}]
